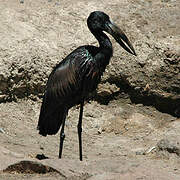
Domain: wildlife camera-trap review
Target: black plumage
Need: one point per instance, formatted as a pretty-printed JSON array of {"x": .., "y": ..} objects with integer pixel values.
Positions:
[{"x": 77, "y": 75}]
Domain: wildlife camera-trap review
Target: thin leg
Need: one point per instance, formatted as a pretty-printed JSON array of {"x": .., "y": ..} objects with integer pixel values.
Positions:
[
  {"x": 62, "y": 136},
  {"x": 79, "y": 127}
]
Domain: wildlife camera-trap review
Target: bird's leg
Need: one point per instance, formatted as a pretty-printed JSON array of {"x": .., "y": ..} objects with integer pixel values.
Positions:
[
  {"x": 79, "y": 127},
  {"x": 62, "y": 136}
]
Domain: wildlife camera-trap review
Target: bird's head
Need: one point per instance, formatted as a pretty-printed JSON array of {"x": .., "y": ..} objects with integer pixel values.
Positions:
[{"x": 99, "y": 21}]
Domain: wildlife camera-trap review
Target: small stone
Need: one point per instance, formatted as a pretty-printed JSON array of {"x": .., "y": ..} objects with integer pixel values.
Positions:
[
  {"x": 2, "y": 131},
  {"x": 42, "y": 148},
  {"x": 140, "y": 153},
  {"x": 100, "y": 130},
  {"x": 107, "y": 89},
  {"x": 169, "y": 145},
  {"x": 41, "y": 156}
]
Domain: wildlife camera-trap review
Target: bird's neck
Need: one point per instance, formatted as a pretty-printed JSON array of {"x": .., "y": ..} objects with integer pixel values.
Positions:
[{"x": 106, "y": 50}]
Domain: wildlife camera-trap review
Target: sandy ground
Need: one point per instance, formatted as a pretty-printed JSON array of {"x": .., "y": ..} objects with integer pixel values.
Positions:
[
  {"x": 120, "y": 140},
  {"x": 116, "y": 142}
]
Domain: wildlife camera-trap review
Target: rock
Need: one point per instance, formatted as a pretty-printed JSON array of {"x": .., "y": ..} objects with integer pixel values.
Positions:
[
  {"x": 100, "y": 130},
  {"x": 41, "y": 157},
  {"x": 2, "y": 131},
  {"x": 107, "y": 89},
  {"x": 106, "y": 92},
  {"x": 169, "y": 145}
]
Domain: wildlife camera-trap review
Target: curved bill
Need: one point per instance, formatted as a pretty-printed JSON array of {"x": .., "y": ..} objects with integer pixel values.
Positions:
[{"x": 120, "y": 37}]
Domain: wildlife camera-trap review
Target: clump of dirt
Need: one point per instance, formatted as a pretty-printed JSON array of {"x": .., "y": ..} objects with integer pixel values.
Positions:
[{"x": 29, "y": 167}]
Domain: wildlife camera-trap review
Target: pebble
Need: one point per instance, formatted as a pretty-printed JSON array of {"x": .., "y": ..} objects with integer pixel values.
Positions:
[
  {"x": 100, "y": 130},
  {"x": 2, "y": 131}
]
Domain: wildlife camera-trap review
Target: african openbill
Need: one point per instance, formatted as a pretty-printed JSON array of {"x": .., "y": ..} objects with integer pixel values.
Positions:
[{"x": 77, "y": 75}]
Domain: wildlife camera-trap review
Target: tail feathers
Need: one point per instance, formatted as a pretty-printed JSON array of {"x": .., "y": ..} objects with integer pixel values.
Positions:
[{"x": 50, "y": 120}]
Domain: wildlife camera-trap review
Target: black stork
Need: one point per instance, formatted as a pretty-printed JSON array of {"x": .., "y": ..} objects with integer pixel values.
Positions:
[{"x": 77, "y": 75}]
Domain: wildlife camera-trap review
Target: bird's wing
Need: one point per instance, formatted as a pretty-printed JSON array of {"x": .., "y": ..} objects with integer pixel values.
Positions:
[
  {"x": 63, "y": 81},
  {"x": 71, "y": 77},
  {"x": 61, "y": 85}
]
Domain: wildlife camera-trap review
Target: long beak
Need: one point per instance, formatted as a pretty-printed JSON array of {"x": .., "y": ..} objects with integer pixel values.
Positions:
[{"x": 120, "y": 37}]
